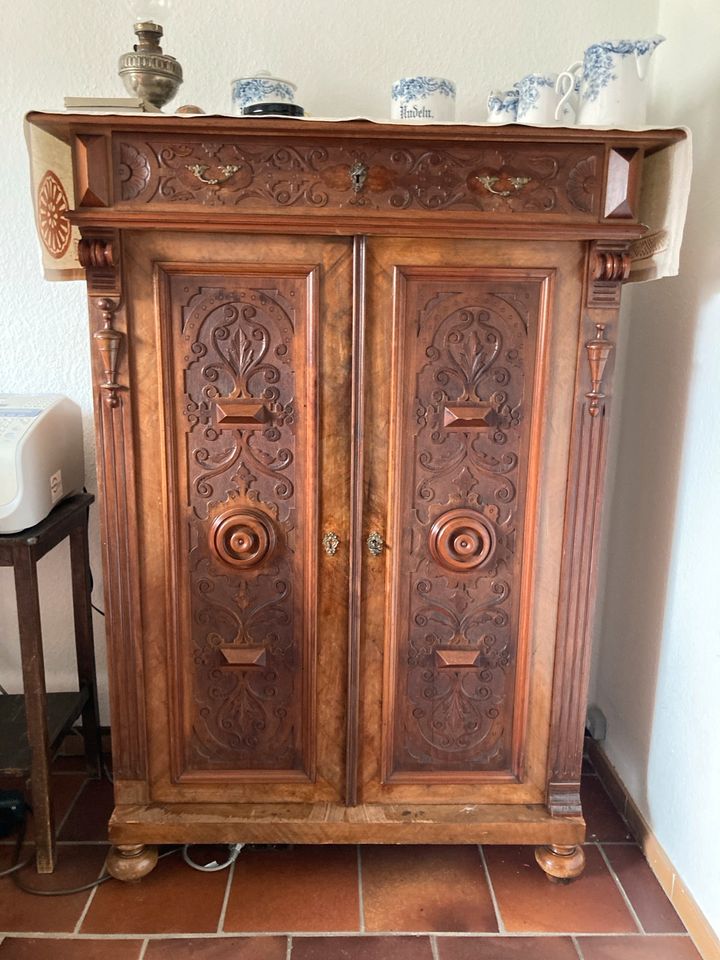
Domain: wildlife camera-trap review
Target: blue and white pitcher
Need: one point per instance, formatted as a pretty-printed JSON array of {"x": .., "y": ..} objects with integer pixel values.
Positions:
[{"x": 612, "y": 88}]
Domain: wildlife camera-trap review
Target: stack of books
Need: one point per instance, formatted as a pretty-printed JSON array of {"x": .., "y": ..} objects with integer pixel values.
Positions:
[{"x": 109, "y": 104}]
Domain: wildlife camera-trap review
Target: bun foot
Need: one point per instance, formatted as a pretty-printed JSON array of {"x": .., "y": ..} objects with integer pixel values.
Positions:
[
  {"x": 131, "y": 861},
  {"x": 561, "y": 864}
]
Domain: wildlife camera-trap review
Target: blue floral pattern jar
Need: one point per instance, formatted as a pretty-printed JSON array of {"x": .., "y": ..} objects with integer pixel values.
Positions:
[
  {"x": 261, "y": 88},
  {"x": 423, "y": 99}
]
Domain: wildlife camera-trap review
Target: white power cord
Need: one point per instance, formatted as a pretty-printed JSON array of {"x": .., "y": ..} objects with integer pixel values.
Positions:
[{"x": 213, "y": 866}]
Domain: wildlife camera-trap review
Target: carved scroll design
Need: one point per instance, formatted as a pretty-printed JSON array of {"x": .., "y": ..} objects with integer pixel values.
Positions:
[
  {"x": 244, "y": 523},
  {"x": 609, "y": 268},
  {"x": 98, "y": 253},
  {"x": 460, "y": 566},
  {"x": 108, "y": 341},
  {"x": 259, "y": 175}
]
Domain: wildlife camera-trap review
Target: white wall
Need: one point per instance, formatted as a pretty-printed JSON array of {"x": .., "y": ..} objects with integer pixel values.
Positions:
[{"x": 657, "y": 674}]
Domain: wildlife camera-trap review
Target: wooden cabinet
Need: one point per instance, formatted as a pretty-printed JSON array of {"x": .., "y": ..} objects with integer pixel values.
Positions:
[{"x": 352, "y": 391}]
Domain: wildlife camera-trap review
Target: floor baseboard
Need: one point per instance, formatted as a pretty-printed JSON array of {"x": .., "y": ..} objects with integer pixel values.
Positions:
[{"x": 703, "y": 935}]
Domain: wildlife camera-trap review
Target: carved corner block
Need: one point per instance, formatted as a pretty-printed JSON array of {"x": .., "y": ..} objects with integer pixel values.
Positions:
[
  {"x": 623, "y": 178},
  {"x": 99, "y": 254},
  {"x": 609, "y": 268},
  {"x": 92, "y": 179}
]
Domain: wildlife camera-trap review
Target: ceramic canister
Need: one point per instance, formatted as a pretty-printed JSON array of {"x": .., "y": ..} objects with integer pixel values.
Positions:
[
  {"x": 260, "y": 88},
  {"x": 539, "y": 102},
  {"x": 423, "y": 99},
  {"x": 503, "y": 106}
]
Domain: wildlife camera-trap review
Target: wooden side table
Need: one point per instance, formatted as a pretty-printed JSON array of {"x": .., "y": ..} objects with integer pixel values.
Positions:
[{"x": 33, "y": 724}]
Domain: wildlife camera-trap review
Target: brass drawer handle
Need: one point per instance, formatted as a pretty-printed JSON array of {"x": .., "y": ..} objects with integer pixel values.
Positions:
[
  {"x": 375, "y": 543},
  {"x": 331, "y": 541},
  {"x": 517, "y": 183},
  {"x": 198, "y": 171}
]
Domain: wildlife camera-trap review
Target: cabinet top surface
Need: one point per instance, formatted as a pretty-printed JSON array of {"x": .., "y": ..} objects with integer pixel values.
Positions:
[{"x": 64, "y": 125}]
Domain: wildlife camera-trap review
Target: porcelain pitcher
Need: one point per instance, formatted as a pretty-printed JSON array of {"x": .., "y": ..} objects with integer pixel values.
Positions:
[{"x": 612, "y": 89}]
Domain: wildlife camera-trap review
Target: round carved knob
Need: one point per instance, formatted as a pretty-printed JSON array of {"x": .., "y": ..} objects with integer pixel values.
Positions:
[
  {"x": 461, "y": 540},
  {"x": 242, "y": 538}
]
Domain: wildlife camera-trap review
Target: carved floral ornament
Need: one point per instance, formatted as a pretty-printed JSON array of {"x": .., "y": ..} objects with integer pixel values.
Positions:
[
  {"x": 241, "y": 439},
  {"x": 456, "y": 663}
]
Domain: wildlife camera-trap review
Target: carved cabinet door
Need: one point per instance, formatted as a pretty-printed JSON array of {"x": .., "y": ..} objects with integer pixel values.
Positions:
[
  {"x": 237, "y": 343},
  {"x": 470, "y": 344}
]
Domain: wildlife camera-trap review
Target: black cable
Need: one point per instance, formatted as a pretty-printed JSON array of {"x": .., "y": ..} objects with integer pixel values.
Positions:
[
  {"x": 59, "y": 893},
  {"x": 92, "y": 581},
  {"x": 71, "y": 890},
  {"x": 17, "y": 865}
]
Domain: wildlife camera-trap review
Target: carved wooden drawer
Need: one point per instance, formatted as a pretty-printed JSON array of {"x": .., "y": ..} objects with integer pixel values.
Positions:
[{"x": 260, "y": 175}]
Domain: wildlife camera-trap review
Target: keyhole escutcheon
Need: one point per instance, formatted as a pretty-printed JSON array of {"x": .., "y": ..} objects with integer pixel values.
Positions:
[{"x": 358, "y": 175}]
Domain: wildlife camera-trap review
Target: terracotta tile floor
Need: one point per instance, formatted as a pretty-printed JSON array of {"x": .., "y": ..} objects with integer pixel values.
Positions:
[{"x": 341, "y": 903}]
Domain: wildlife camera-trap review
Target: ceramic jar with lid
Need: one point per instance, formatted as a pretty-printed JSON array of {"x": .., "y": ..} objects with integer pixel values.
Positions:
[{"x": 261, "y": 88}]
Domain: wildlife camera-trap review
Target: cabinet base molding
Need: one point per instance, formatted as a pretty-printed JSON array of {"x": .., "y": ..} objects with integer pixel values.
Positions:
[
  {"x": 334, "y": 823},
  {"x": 561, "y": 863},
  {"x": 131, "y": 861}
]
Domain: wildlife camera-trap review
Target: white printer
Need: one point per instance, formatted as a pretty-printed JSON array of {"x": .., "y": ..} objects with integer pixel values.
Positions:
[{"x": 41, "y": 457}]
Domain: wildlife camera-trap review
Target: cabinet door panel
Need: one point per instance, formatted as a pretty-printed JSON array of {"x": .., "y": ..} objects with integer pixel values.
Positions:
[
  {"x": 240, "y": 371},
  {"x": 460, "y": 435},
  {"x": 461, "y": 444}
]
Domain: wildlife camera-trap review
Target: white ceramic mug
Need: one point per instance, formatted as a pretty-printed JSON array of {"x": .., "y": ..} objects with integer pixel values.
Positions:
[
  {"x": 423, "y": 99},
  {"x": 503, "y": 106},
  {"x": 538, "y": 101}
]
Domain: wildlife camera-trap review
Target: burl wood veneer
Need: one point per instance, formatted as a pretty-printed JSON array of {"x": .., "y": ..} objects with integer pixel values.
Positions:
[{"x": 352, "y": 394}]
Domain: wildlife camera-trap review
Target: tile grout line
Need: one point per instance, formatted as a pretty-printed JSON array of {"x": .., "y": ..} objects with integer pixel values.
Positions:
[
  {"x": 488, "y": 880},
  {"x": 361, "y": 896},
  {"x": 91, "y": 897},
  {"x": 618, "y": 883},
  {"x": 577, "y": 946},
  {"x": 226, "y": 898},
  {"x": 288, "y": 951},
  {"x": 247, "y": 934},
  {"x": 434, "y": 947},
  {"x": 143, "y": 949}
]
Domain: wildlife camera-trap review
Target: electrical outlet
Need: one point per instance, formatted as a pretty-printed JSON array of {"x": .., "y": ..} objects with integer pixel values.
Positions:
[{"x": 56, "y": 486}]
